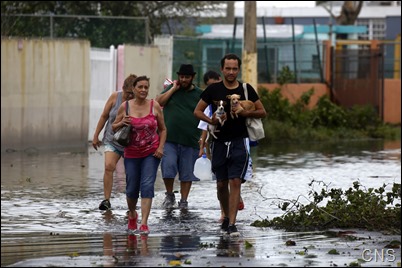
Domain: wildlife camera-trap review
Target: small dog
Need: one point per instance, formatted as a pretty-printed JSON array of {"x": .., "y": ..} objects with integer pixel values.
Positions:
[
  {"x": 220, "y": 111},
  {"x": 237, "y": 105}
]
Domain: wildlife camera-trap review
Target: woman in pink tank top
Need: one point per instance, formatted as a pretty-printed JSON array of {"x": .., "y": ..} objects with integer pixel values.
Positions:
[{"x": 143, "y": 155}]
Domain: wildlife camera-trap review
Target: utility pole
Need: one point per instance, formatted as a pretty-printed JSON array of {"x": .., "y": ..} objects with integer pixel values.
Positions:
[
  {"x": 249, "y": 57},
  {"x": 230, "y": 12}
]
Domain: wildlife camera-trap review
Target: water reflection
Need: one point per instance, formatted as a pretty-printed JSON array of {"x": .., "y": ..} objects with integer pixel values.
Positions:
[
  {"x": 229, "y": 247},
  {"x": 134, "y": 250},
  {"x": 50, "y": 216},
  {"x": 179, "y": 247}
]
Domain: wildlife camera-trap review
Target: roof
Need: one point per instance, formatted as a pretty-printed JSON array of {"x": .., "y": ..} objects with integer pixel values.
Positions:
[
  {"x": 298, "y": 12},
  {"x": 226, "y": 31},
  {"x": 217, "y": 31}
]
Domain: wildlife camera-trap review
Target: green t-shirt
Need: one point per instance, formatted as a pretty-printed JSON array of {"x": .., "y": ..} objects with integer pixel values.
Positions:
[{"x": 181, "y": 124}]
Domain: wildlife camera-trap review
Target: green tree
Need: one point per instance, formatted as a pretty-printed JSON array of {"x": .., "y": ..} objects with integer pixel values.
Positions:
[
  {"x": 349, "y": 12},
  {"x": 101, "y": 32}
]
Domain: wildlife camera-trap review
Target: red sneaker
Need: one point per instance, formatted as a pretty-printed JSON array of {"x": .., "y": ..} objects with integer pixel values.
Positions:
[
  {"x": 132, "y": 222},
  {"x": 241, "y": 205},
  {"x": 144, "y": 229}
]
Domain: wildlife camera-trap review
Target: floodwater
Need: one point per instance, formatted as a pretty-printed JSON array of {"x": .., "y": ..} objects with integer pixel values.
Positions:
[{"x": 50, "y": 216}]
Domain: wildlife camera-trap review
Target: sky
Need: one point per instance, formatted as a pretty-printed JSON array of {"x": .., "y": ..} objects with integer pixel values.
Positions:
[{"x": 280, "y": 3}]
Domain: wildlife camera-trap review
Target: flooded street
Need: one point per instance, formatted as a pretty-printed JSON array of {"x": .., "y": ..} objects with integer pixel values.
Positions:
[{"x": 50, "y": 215}]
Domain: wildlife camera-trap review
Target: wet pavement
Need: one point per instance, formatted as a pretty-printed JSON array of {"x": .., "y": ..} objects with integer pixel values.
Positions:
[{"x": 50, "y": 216}]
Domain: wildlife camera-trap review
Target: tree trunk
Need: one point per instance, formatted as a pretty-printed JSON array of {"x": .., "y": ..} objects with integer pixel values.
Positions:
[{"x": 349, "y": 12}]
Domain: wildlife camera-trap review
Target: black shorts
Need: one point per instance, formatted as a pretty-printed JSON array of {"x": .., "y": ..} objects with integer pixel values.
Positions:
[{"x": 229, "y": 159}]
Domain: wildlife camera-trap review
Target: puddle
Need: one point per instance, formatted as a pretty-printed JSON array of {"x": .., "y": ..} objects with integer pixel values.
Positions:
[{"x": 50, "y": 216}]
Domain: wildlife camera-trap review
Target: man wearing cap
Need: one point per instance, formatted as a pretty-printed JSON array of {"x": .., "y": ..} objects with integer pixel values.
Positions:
[{"x": 181, "y": 149}]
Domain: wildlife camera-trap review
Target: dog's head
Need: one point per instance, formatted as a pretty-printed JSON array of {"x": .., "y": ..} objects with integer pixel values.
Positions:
[
  {"x": 234, "y": 99},
  {"x": 220, "y": 106}
]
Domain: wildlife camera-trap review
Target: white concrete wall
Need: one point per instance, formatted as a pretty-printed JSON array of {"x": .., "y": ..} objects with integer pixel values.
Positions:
[
  {"x": 54, "y": 91},
  {"x": 117, "y": 64},
  {"x": 45, "y": 87},
  {"x": 165, "y": 45},
  {"x": 145, "y": 60}
]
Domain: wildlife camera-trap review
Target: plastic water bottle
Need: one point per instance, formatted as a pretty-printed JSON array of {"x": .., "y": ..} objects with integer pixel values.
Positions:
[
  {"x": 167, "y": 83},
  {"x": 202, "y": 168}
]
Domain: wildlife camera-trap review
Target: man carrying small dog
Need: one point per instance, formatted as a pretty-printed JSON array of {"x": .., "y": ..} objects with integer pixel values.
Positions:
[
  {"x": 229, "y": 151},
  {"x": 181, "y": 147}
]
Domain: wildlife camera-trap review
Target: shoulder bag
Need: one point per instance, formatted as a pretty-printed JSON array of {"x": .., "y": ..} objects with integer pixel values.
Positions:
[
  {"x": 255, "y": 128},
  {"x": 123, "y": 135}
]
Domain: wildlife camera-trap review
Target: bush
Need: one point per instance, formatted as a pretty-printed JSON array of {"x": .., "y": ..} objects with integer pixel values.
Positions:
[
  {"x": 357, "y": 207},
  {"x": 326, "y": 121}
]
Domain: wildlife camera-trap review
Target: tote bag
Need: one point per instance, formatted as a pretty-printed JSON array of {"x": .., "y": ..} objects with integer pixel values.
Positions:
[{"x": 255, "y": 128}]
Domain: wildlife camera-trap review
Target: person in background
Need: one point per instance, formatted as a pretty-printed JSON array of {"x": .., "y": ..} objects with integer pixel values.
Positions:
[
  {"x": 229, "y": 151},
  {"x": 209, "y": 78},
  {"x": 181, "y": 149},
  {"x": 113, "y": 150},
  {"x": 142, "y": 156}
]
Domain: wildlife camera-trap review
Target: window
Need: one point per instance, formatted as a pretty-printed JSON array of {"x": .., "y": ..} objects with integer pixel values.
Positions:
[{"x": 375, "y": 29}]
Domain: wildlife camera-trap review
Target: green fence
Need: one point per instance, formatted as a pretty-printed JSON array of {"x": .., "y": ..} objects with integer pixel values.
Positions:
[
  {"x": 101, "y": 31},
  {"x": 303, "y": 57}
]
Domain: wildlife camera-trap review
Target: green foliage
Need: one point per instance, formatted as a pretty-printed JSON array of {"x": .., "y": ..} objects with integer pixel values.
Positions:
[
  {"x": 317, "y": 3},
  {"x": 326, "y": 113},
  {"x": 356, "y": 207},
  {"x": 333, "y": 252},
  {"x": 248, "y": 245},
  {"x": 326, "y": 121},
  {"x": 277, "y": 107},
  {"x": 363, "y": 117},
  {"x": 101, "y": 31},
  {"x": 354, "y": 264},
  {"x": 286, "y": 76},
  {"x": 280, "y": 109}
]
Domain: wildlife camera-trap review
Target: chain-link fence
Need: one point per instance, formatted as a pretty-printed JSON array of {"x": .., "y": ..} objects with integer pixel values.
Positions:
[
  {"x": 101, "y": 31},
  {"x": 303, "y": 57},
  {"x": 359, "y": 71},
  {"x": 392, "y": 58}
]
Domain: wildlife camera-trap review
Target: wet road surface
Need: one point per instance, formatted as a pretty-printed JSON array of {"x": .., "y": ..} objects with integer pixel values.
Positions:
[{"x": 50, "y": 216}]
